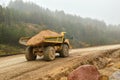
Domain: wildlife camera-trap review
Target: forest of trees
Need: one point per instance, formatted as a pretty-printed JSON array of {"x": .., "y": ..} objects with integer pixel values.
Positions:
[{"x": 26, "y": 19}]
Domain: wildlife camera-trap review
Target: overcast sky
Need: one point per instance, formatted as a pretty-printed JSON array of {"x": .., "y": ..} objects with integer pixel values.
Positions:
[{"x": 107, "y": 10}]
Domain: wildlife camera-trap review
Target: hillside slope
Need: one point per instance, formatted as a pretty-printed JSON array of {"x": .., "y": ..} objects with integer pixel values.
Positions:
[{"x": 26, "y": 19}]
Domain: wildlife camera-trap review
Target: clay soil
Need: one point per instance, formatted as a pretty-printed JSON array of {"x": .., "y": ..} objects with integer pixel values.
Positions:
[
  {"x": 39, "y": 38},
  {"x": 105, "y": 58}
]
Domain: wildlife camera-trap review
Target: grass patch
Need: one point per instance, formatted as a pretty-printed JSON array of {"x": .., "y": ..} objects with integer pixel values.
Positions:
[{"x": 6, "y": 50}]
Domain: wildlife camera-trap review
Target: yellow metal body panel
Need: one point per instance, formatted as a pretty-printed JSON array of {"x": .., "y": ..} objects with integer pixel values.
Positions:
[{"x": 55, "y": 39}]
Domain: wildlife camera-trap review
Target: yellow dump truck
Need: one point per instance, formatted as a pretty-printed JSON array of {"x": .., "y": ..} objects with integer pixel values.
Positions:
[{"x": 46, "y": 44}]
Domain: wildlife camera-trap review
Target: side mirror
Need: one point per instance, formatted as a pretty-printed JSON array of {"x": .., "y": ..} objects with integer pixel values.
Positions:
[{"x": 104, "y": 77}]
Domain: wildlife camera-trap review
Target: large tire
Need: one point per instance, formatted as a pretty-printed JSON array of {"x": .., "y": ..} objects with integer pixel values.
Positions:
[
  {"x": 64, "y": 51},
  {"x": 49, "y": 53},
  {"x": 29, "y": 54}
]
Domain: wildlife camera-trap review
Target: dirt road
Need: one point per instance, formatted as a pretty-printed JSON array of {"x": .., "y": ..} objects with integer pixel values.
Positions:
[{"x": 17, "y": 68}]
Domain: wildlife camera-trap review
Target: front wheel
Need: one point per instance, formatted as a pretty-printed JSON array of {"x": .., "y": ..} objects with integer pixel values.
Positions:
[
  {"x": 30, "y": 56},
  {"x": 49, "y": 53},
  {"x": 64, "y": 51}
]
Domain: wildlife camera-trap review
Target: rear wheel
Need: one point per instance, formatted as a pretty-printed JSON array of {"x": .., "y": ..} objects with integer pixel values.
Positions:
[
  {"x": 30, "y": 56},
  {"x": 65, "y": 51},
  {"x": 49, "y": 53}
]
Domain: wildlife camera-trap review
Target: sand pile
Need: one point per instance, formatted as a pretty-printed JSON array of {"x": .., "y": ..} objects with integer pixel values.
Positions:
[{"x": 39, "y": 38}]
